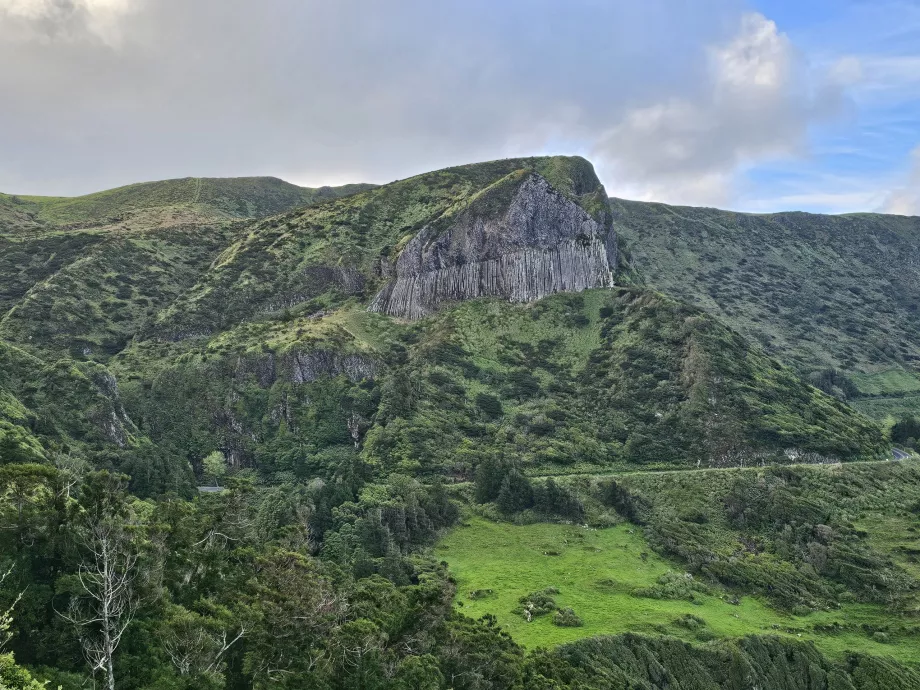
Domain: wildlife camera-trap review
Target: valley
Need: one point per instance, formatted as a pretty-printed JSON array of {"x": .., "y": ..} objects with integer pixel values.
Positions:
[{"x": 428, "y": 410}]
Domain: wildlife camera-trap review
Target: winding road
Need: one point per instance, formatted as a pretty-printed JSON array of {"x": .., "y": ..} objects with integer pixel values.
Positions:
[{"x": 899, "y": 454}]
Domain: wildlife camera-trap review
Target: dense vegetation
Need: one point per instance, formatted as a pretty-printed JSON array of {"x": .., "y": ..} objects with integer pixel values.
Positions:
[
  {"x": 821, "y": 552},
  {"x": 168, "y": 336},
  {"x": 82, "y": 275},
  {"x": 834, "y": 296},
  {"x": 597, "y": 379},
  {"x": 311, "y": 586}
]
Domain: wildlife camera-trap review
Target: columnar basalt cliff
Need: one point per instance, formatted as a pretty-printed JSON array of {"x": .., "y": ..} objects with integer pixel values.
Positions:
[{"x": 538, "y": 243}]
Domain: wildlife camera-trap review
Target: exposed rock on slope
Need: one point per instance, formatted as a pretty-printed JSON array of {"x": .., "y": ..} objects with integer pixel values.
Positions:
[
  {"x": 518, "y": 228},
  {"x": 306, "y": 366},
  {"x": 540, "y": 244}
]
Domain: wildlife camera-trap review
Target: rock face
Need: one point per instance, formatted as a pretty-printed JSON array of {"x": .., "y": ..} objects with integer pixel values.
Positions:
[
  {"x": 305, "y": 367},
  {"x": 540, "y": 243}
]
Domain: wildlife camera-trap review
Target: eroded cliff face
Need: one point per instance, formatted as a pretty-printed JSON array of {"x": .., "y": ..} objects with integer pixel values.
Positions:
[
  {"x": 305, "y": 366},
  {"x": 540, "y": 243}
]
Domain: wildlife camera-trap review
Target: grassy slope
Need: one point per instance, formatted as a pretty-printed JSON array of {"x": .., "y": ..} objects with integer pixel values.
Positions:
[
  {"x": 86, "y": 292},
  {"x": 49, "y": 405},
  {"x": 585, "y": 379},
  {"x": 817, "y": 291},
  {"x": 606, "y": 377},
  {"x": 158, "y": 202},
  {"x": 623, "y": 376},
  {"x": 603, "y": 379},
  {"x": 93, "y": 305},
  {"x": 821, "y": 553},
  {"x": 597, "y": 571}
]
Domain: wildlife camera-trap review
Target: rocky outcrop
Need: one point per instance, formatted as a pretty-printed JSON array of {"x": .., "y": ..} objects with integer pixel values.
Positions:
[
  {"x": 539, "y": 243},
  {"x": 110, "y": 414},
  {"x": 304, "y": 366},
  {"x": 310, "y": 366}
]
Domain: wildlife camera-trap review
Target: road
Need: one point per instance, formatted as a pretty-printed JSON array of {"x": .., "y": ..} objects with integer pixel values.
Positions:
[{"x": 898, "y": 456}]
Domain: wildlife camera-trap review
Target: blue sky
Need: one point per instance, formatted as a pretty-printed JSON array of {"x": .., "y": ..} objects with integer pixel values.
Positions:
[
  {"x": 755, "y": 105},
  {"x": 861, "y": 157}
]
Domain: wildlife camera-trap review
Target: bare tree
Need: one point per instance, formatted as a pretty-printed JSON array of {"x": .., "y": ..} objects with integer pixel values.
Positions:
[
  {"x": 107, "y": 601},
  {"x": 6, "y": 617},
  {"x": 353, "y": 422}
]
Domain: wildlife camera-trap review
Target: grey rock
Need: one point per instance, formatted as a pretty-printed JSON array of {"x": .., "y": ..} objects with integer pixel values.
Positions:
[
  {"x": 310, "y": 366},
  {"x": 304, "y": 366},
  {"x": 542, "y": 243},
  {"x": 112, "y": 418}
]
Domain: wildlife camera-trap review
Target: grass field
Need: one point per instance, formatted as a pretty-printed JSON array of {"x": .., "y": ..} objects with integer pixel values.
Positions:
[
  {"x": 596, "y": 573},
  {"x": 887, "y": 382},
  {"x": 883, "y": 408}
]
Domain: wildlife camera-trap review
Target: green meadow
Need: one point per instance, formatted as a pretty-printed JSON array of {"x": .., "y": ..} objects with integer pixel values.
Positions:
[{"x": 597, "y": 573}]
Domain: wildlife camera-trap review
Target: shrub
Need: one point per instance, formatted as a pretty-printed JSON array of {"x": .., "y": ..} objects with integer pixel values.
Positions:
[
  {"x": 552, "y": 499},
  {"x": 690, "y": 622},
  {"x": 629, "y": 505},
  {"x": 481, "y": 593},
  {"x": 490, "y": 405},
  {"x": 566, "y": 618},
  {"x": 489, "y": 477},
  {"x": 673, "y": 586},
  {"x": 537, "y": 603},
  {"x": 523, "y": 384}
]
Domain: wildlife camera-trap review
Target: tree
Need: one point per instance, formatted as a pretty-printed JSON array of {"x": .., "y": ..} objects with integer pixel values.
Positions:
[
  {"x": 516, "y": 493},
  {"x": 105, "y": 601},
  {"x": 196, "y": 644},
  {"x": 215, "y": 466},
  {"x": 293, "y": 608},
  {"x": 25, "y": 491},
  {"x": 12, "y": 451},
  {"x": 489, "y": 476},
  {"x": 12, "y": 677},
  {"x": 489, "y": 404},
  {"x": 6, "y": 617},
  {"x": 551, "y": 498}
]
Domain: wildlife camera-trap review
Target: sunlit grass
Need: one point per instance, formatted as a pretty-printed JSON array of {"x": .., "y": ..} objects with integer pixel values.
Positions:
[{"x": 596, "y": 572}]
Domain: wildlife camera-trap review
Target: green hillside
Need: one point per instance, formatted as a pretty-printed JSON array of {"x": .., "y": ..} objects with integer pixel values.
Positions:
[
  {"x": 164, "y": 202},
  {"x": 824, "y": 293},
  {"x": 541, "y": 473},
  {"x": 320, "y": 257},
  {"x": 82, "y": 275},
  {"x": 604, "y": 379}
]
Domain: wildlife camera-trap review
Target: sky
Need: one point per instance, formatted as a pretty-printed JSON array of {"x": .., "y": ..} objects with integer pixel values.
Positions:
[{"x": 753, "y": 105}]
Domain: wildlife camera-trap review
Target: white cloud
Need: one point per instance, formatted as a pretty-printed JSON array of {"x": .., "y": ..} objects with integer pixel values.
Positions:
[
  {"x": 756, "y": 103},
  {"x": 892, "y": 78},
  {"x": 819, "y": 202},
  {"x": 905, "y": 201},
  {"x": 847, "y": 70},
  {"x": 312, "y": 90},
  {"x": 63, "y": 19}
]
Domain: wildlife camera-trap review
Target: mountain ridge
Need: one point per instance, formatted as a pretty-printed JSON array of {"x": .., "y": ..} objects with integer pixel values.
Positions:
[
  {"x": 835, "y": 296},
  {"x": 164, "y": 201},
  {"x": 288, "y": 457}
]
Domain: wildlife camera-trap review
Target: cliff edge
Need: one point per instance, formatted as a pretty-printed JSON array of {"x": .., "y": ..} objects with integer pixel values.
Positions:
[{"x": 520, "y": 239}]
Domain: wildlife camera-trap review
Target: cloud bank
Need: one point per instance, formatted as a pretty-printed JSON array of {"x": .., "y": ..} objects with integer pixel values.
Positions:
[{"x": 672, "y": 101}]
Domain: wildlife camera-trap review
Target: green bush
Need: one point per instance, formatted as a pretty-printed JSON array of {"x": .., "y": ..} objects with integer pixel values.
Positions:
[{"x": 566, "y": 618}]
